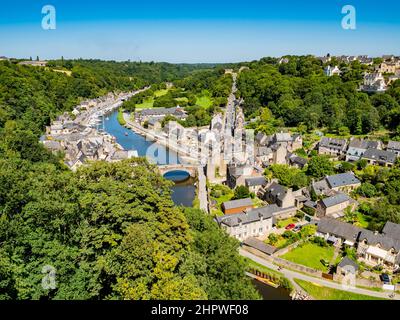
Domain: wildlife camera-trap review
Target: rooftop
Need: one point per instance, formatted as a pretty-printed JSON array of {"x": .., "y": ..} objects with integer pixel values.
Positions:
[
  {"x": 346, "y": 261},
  {"x": 342, "y": 179},
  {"x": 392, "y": 230},
  {"x": 380, "y": 155},
  {"x": 250, "y": 216},
  {"x": 394, "y": 145},
  {"x": 363, "y": 144},
  {"x": 339, "y": 228},
  {"x": 255, "y": 181},
  {"x": 237, "y": 203},
  {"x": 335, "y": 200}
]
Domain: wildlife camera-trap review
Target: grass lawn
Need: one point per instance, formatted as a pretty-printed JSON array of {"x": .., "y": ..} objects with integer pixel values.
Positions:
[
  {"x": 310, "y": 255},
  {"x": 149, "y": 101},
  {"x": 223, "y": 198},
  {"x": 147, "y": 104},
  {"x": 323, "y": 293},
  {"x": 160, "y": 93},
  {"x": 204, "y": 101},
  {"x": 285, "y": 222}
]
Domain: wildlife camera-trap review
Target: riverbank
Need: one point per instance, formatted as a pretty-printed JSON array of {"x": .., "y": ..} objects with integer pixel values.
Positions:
[
  {"x": 120, "y": 117},
  {"x": 164, "y": 141}
]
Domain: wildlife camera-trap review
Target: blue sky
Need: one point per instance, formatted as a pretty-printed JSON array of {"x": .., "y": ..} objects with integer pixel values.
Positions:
[{"x": 197, "y": 31}]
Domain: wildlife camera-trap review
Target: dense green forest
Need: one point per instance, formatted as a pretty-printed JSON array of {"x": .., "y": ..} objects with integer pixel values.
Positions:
[
  {"x": 111, "y": 231},
  {"x": 298, "y": 93}
]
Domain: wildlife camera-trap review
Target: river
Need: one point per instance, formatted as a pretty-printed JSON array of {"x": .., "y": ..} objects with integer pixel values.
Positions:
[
  {"x": 270, "y": 293},
  {"x": 184, "y": 191}
]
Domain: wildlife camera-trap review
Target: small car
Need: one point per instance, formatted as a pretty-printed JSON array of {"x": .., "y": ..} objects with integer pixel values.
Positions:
[
  {"x": 297, "y": 228},
  {"x": 385, "y": 278},
  {"x": 290, "y": 226}
]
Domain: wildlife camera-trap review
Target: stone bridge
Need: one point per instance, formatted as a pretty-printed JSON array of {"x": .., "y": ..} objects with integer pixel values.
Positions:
[{"x": 190, "y": 169}]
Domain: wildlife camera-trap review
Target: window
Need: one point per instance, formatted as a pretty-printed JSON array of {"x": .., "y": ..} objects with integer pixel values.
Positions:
[{"x": 260, "y": 230}]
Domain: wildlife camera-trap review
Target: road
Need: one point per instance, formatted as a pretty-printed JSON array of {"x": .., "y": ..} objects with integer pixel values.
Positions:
[
  {"x": 202, "y": 190},
  {"x": 291, "y": 275}
]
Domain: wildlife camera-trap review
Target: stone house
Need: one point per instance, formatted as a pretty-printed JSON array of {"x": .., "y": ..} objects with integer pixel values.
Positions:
[
  {"x": 343, "y": 182},
  {"x": 332, "y": 147},
  {"x": 279, "y": 195},
  {"x": 377, "y": 249},
  {"x": 394, "y": 146},
  {"x": 255, "y": 183},
  {"x": 374, "y": 82},
  {"x": 334, "y": 206},
  {"x": 338, "y": 232},
  {"x": 251, "y": 223},
  {"x": 380, "y": 157}
]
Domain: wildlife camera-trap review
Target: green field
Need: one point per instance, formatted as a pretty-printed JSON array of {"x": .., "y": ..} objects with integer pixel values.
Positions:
[
  {"x": 323, "y": 293},
  {"x": 147, "y": 104},
  {"x": 310, "y": 255},
  {"x": 160, "y": 93},
  {"x": 149, "y": 101}
]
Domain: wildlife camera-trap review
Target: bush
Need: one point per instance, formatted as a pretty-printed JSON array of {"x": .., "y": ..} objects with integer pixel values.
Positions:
[
  {"x": 367, "y": 190},
  {"x": 241, "y": 192},
  {"x": 273, "y": 239},
  {"x": 319, "y": 241}
]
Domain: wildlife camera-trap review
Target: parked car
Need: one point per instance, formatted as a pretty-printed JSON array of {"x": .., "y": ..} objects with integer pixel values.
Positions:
[
  {"x": 297, "y": 228},
  {"x": 385, "y": 278},
  {"x": 290, "y": 226}
]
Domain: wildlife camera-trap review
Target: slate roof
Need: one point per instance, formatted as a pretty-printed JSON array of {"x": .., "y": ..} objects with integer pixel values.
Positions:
[
  {"x": 375, "y": 238},
  {"x": 392, "y": 230},
  {"x": 260, "y": 245},
  {"x": 342, "y": 179},
  {"x": 334, "y": 200},
  {"x": 255, "y": 181},
  {"x": 310, "y": 204},
  {"x": 393, "y": 145},
  {"x": 332, "y": 143},
  {"x": 363, "y": 144},
  {"x": 277, "y": 190},
  {"x": 250, "y": 216},
  {"x": 338, "y": 228},
  {"x": 380, "y": 155},
  {"x": 346, "y": 261},
  {"x": 237, "y": 203},
  {"x": 320, "y": 186},
  {"x": 298, "y": 160}
]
